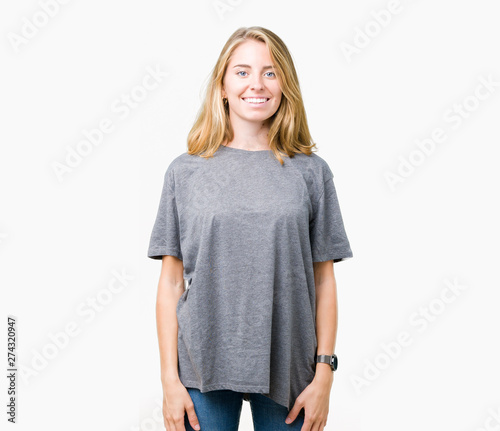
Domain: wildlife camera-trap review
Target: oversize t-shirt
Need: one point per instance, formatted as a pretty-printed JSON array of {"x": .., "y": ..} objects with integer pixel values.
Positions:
[{"x": 248, "y": 230}]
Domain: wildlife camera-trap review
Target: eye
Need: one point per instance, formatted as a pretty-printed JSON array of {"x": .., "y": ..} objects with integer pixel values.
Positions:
[
  {"x": 271, "y": 73},
  {"x": 240, "y": 71}
]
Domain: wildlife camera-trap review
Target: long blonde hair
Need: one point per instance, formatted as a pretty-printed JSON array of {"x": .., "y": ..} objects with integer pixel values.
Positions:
[{"x": 289, "y": 132}]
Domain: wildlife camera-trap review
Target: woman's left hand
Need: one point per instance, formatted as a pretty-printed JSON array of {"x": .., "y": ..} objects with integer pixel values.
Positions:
[{"x": 315, "y": 399}]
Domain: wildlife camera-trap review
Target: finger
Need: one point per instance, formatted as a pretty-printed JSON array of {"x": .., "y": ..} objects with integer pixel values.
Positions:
[
  {"x": 175, "y": 422},
  {"x": 193, "y": 419},
  {"x": 178, "y": 424},
  {"x": 292, "y": 414},
  {"x": 307, "y": 425},
  {"x": 166, "y": 422},
  {"x": 317, "y": 426},
  {"x": 172, "y": 425}
]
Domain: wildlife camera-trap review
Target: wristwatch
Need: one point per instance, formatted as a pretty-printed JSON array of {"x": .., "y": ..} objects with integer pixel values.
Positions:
[{"x": 332, "y": 360}]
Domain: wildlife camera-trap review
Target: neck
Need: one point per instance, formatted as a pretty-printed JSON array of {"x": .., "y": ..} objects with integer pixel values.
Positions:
[{"x": 248, "y": 135}]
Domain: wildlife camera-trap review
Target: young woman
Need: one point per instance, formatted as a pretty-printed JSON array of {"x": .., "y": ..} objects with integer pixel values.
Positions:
[{"x": 249, "y": 216}]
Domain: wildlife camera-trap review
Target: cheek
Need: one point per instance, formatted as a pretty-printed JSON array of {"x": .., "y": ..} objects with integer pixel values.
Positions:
[
  {"x": 277, "y": 92},
  {"x": 234, "y": 88}
]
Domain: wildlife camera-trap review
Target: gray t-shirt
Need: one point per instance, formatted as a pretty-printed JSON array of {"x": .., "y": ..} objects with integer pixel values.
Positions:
[{"x": 248, "y": 230}]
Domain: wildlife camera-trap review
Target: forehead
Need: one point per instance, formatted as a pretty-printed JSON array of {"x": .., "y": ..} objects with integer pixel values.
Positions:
[{"x": 251, "y": 51}]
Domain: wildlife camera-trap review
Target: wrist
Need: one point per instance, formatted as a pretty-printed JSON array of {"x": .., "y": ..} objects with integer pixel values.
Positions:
[
  {"x": 168, "y": 379},
  {"x": 323, "y": 368},
  {"x": 323, "y": 373}
]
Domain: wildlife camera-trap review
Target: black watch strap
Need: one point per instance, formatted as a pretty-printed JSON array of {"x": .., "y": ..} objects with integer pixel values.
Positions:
[{"x": 331, "y": 360}]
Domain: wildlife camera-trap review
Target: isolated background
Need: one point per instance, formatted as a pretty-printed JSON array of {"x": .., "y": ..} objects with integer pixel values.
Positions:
[{"x": 62, "y": 242}]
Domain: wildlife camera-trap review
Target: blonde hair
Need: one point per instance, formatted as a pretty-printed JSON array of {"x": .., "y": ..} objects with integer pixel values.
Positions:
[{"x": 289, "y": 132}]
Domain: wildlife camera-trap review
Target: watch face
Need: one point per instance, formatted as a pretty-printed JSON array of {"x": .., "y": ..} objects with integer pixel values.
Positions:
[{"x": 334, "y": 362}]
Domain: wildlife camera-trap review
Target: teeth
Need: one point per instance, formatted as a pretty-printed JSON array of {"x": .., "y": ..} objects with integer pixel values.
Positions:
[{"x": 255, "y": 100}]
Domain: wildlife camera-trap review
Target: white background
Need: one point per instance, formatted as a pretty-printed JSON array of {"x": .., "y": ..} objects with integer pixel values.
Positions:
[{"x": 61, "y": 240}]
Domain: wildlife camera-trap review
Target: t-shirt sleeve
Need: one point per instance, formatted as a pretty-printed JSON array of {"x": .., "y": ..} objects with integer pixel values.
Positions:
[
  {"x": 327, "y": 234},
  {"x": 165, "y": 237}
]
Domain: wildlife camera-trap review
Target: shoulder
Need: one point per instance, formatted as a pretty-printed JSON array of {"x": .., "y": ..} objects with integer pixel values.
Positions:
[
  {"x": 315, "y": 172},
  {"x": 177, "y": 167},
  {"x": 177, "y": 162},
  {"x": 313, "y": 167}
]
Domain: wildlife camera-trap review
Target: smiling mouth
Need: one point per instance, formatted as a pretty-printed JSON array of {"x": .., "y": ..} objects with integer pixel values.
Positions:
[{"x": 255, "y": 100}]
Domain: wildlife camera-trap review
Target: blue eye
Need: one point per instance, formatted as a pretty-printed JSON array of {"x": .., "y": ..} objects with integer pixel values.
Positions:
[{"x": 242, "y": 71}]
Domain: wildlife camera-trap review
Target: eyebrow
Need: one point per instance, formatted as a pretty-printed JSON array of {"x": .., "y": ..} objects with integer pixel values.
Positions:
[{"x": 248, "y": 66}]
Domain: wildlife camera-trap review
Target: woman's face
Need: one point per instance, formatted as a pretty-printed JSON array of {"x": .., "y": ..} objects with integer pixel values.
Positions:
[{"x": 250, "y": 84}]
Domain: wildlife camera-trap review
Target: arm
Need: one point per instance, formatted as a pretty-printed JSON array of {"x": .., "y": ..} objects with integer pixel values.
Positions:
[
  {"x": 326, "y": 316},
  {"x": 176, "y": 399},
  {"x": 315, "y": 398},
  {"x": 170, "y": 289}
]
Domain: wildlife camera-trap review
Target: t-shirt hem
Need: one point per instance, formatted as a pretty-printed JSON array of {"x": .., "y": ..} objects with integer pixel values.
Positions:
[
  {"x": 230, "y": 386},
  {"x": 336, "y": 257},
  {"x": 238, "y": 388},
  {"x": 159, "y": 252}
]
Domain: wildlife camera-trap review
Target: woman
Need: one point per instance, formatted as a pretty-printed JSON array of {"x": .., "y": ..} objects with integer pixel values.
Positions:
[{"x": 249, "y": 216}]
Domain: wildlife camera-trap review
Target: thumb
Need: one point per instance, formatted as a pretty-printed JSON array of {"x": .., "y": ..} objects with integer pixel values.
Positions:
[
  {"x": 193, "y": 419},
  {"x": 292, "y": 414}
]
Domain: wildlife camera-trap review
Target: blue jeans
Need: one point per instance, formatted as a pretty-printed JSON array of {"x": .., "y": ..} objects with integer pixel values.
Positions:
[{"x": 220, "y": 411}]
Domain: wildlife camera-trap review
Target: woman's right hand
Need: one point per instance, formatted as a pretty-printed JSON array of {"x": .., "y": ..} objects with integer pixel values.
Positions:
[{"x": 176, "y": 402}]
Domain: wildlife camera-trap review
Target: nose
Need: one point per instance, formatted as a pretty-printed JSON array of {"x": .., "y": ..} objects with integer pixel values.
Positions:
[{"x": 257, "y": 83}]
